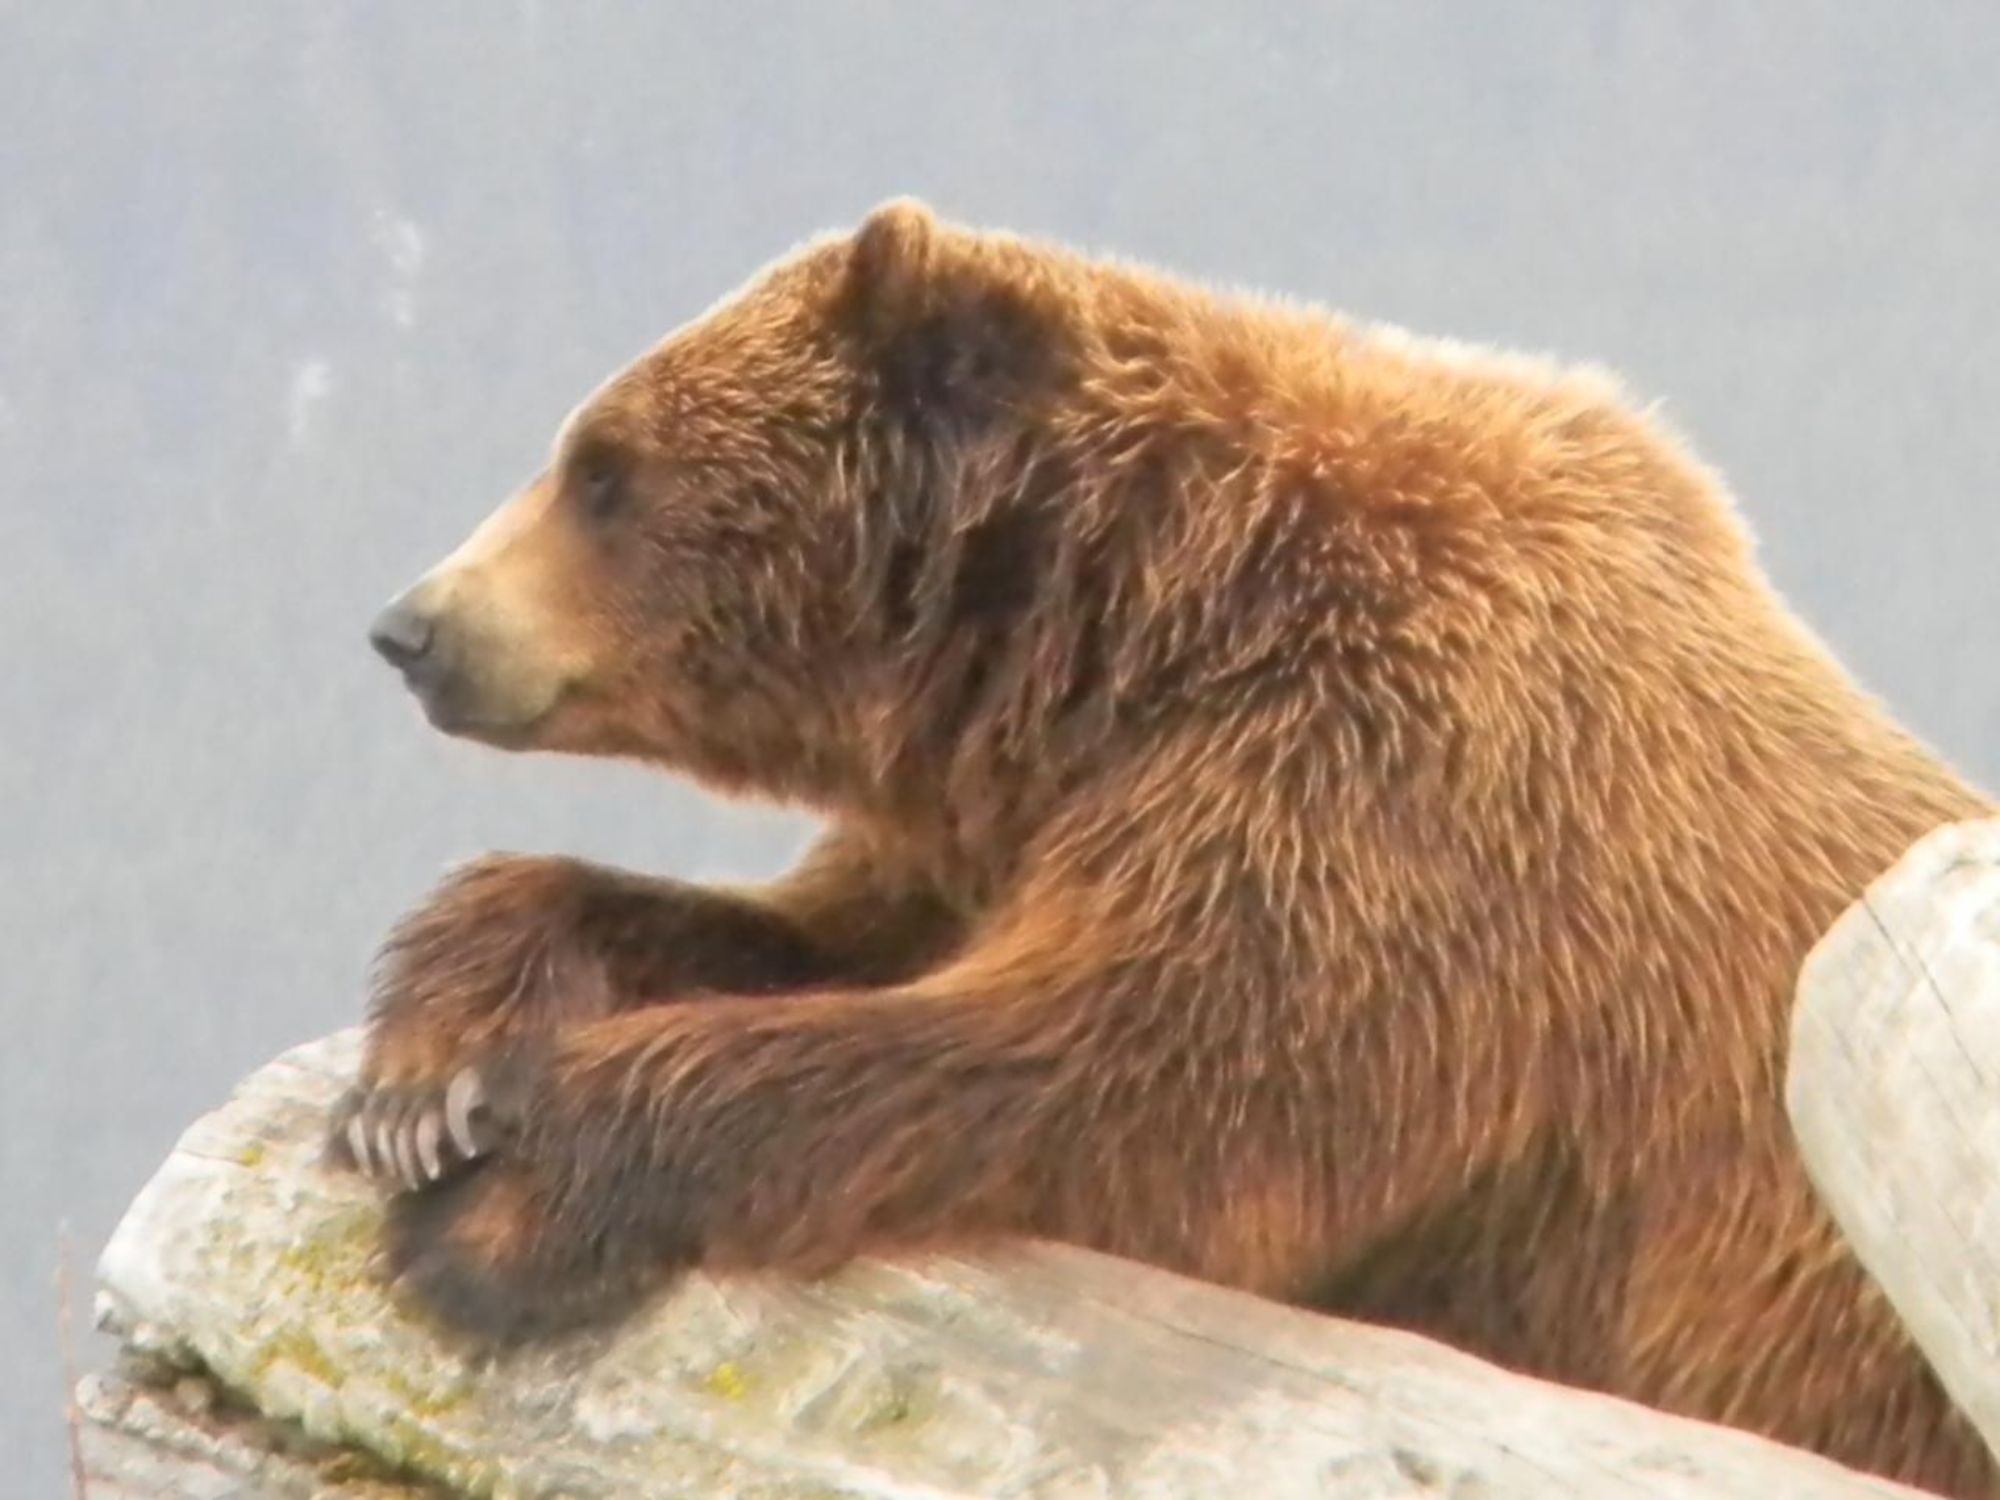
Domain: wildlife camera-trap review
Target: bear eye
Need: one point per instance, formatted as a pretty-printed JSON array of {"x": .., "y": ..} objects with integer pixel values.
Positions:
[{"x": 600, "y": 484}]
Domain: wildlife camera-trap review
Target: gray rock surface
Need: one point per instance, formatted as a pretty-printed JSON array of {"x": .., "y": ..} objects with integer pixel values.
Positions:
[
  {"x": 1044, "y": 1372},
  {"x": 1894, "y": 1091},
  {"x": 168, "y": 1439}
]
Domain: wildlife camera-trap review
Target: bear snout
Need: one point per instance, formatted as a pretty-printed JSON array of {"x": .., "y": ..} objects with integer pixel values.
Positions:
[
  {"x": 410, "y": 635},
  {"x": 477, "y": 668}
]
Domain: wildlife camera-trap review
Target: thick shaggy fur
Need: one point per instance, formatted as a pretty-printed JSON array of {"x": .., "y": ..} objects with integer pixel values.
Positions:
[{"x": 1330, "y": 813}]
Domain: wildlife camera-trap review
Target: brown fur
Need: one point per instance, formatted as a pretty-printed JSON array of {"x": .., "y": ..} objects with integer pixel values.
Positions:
[{"x": 1307, "y": 808}]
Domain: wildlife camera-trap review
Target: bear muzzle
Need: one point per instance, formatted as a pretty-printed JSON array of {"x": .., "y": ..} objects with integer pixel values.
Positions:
[
  {"x": 492, "y": 638},
  {"x": 410, "y": 637},
  {"x": 469, "y": 678}
]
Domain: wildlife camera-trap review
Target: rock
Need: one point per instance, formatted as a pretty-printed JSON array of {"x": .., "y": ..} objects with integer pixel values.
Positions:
[
  {"x": 1894, "y": 1092},
  {"x": 152, "y": 1439},
  {"x": 1041, "y": 1371}
]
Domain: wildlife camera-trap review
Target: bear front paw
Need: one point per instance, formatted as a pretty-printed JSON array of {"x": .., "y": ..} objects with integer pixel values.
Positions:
[
  {"x": 412, "y": 1137},
  {"x": 484, "y": 1258}
]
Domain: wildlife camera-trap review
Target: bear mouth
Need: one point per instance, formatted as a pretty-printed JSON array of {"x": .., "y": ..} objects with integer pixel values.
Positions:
[
  {"x": 500, "y": 733},
  {"x": 455, "y": 705}
]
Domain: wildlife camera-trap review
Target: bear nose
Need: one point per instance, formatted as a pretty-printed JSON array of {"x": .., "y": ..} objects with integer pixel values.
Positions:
[{"x": 402, "y": 633}]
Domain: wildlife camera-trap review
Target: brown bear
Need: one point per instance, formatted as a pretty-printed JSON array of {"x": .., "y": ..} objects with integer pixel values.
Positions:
[{"x": 1327, "y": 812}]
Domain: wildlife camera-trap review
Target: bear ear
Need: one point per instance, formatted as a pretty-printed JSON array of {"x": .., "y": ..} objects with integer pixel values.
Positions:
[
  {"x": 944, "y": 329},
  {"x": 892, "y": 257}
]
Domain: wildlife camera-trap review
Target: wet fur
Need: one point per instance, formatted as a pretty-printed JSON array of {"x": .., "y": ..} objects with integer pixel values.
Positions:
[{"x": 1320, "y": 811}]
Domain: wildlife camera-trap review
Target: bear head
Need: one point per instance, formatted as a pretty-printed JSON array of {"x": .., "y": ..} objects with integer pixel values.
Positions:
[{"x": 730, "y": 566}]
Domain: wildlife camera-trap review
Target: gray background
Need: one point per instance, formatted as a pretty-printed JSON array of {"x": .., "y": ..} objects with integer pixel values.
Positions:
[{"x": 291, "y": 294}]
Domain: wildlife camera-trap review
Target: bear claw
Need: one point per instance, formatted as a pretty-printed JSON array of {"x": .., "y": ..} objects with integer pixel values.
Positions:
[
  {"x": 425, "y": 1137},
  {"x": 463, "y": 1101},
  {"x": 411, "y": 1139}
]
